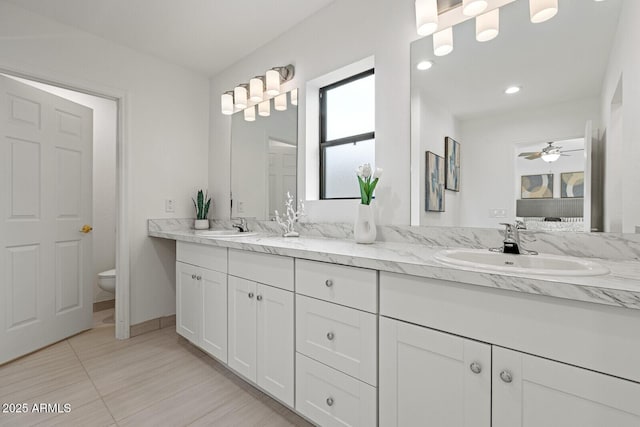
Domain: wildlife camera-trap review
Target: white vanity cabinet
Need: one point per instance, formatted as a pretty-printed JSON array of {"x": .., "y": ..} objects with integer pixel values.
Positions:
[
  {"x": 201, "y": 297},
  {"x": 261, "y": 323}
]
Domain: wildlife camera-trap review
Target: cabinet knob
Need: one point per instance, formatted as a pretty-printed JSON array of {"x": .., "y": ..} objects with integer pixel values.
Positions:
[
  {"x": 330, "y": 336},
  {"x": 329, "y": 401},
  {"x": 475, "y": 367},
  {"x": 193, "y": 276},
  {"x": 328, "y": 283},
  {"x": 259, "y": 297},
  {"x": 250, "y": 295},
  {"x": 506, "y": 376},
  {"x": 199, "y": 278}
]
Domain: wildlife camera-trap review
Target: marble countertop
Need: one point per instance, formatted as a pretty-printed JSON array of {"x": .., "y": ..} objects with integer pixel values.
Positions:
[{"x": 620, "y": 288}]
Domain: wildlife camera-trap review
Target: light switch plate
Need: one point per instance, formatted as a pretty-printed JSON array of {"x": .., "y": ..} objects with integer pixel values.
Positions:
[
  {"x": 497, "y": 213},
  {"x": 169, "y": 205}
]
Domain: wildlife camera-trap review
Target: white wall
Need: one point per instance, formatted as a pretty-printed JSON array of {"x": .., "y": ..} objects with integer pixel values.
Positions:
[
  {"x": 340, "y": 34},
  {"x": 622, "y": 204},
  {"x": 166, "y": 129},
  {"x": 488, "y": 149},
  {"x": 105, "y": 125}
]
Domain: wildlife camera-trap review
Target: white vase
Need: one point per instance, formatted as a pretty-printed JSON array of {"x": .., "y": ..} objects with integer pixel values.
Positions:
[
  {"x": 364, "y": 230},
  {"x": 201, "y": 224}
]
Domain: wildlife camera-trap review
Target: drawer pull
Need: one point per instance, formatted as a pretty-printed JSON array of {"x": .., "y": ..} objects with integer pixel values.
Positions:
[
  {"x": 506, "y": 376},
  {"x": 250, "y": 295},
  {"x": 329, "y": 401},
  {"x": 198, "y": 277},
  {"x": 193, "y": 276},
  {"x": 475, "y": 368},
  {"x": 330, "y": 336},
  {"x": 259, "y": 297},
  {"x": 328, "y": 283}
]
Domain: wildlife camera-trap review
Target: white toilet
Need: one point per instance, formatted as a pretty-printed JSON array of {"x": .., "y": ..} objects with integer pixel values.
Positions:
[{"x": 107, "y": 281}]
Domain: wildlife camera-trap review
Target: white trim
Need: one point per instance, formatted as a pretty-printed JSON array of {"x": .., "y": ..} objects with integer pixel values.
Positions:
[{"x": 122, "y": 312}]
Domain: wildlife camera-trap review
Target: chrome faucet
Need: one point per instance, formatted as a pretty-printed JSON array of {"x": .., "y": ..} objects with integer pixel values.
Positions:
[
  {"x": 511, "y": 243},
  {"x": 242, "y": 226}
]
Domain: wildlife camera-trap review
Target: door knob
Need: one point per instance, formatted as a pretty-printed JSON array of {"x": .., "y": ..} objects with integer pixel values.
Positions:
[
  {"x": 506, "y": 376},
  {"x": 86, "y": 229},
  {"x": 475, "y": 367}
]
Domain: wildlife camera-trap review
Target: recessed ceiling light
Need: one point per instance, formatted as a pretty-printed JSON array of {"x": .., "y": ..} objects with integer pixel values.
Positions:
[
  {"x": 512, "y": 89},
  {"x": 424, "y": 65}
]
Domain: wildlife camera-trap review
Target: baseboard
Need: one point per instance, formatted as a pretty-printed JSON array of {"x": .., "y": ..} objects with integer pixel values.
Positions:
[
  {"x": 104, "y": 305},
  {"x": 152, "y": 325}
]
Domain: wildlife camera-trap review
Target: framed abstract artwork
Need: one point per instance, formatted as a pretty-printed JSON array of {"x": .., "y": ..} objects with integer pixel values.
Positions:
[
  {"x": 572, "y": 185},
  {"x": 452, "y": 160},
  {"x": 537, "y": 186},
  {"x": 434, "y": 183}
]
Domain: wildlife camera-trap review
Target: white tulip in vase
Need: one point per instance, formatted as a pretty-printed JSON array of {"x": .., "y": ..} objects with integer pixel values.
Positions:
[{"x": 364, "y": 230}]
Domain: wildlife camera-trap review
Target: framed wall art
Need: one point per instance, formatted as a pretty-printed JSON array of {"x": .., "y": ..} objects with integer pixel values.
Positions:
[
  {"x": 434, "y": 183},
  {"x": 452, "y": 160}
]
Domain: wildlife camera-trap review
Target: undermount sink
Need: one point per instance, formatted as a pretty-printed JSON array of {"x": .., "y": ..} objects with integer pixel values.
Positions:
[
  {"x": 552, "y": 265},
  {"x": 224, "y": 233}
]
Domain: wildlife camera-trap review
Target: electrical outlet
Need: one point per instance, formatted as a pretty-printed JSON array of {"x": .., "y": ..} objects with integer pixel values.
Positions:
[
  {"x": 240, "y": 208},
  {"x": 497, "y": 213},
  {"x": 169, "y": 205}
]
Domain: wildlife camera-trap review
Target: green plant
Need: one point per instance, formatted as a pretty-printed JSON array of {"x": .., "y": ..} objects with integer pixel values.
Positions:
[
  {"x": 368, "y": 180},
  {"x": 202, "y": 207}
]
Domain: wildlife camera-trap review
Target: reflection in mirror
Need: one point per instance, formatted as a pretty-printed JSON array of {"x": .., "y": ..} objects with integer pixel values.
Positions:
[
  {"x": 263, "y": 162},
  {"x": 569, "y": 72}
]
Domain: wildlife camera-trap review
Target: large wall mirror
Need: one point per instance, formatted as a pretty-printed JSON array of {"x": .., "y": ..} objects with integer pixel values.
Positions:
[
  {"x": 264, "y": 156},
  {"x": 555, "y": 151}
]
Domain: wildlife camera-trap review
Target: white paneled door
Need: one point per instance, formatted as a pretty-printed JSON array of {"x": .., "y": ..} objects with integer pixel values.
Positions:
[{"x": 45, "y": 200}]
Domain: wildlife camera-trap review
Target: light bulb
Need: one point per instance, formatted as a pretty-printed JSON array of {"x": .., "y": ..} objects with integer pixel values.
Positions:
[
  {"x": 488, "y": 26},
  {"x": 226, "y": 103},
  {"x": 424, "y": 65},
  {"x": 273, "y": 83},
  {"x": 280, "y": 102},
  {"x": 264, "y": 108},
  {"x": 542, "y": 10},
  {"x": 255, "y": 89},
  {"x": 426, "y": 17},
  {"x": 512, "y": 90},
  {"x": 473, "y": 7},
  {"x": 240, "y": 97},
  {"x": 443, "y": 42},
  {"x": 250, "y": 114},
  {"x": 294, "y": 97}
]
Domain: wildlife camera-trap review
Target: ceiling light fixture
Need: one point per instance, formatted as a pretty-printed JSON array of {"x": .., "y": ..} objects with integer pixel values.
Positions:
[
  {"x": 443, "y": 42},
  {"x": 542, "y": 10},
  {"x": 512, "y": 90},
  {"x": 259, "y": 89},
  {"x": 426, "y": 17},
  {"x": 280, "y": 102},
  {"x": 264, "y": 108},
  {"x": 474, "y": 7},
  {"x": 551, "y": 156},
  {"x": 488, "y": 26},
  {"x": 424, "y": 65}
]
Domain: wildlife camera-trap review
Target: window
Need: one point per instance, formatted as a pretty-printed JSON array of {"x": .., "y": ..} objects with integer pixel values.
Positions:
[{"x": 347, "y": 134}]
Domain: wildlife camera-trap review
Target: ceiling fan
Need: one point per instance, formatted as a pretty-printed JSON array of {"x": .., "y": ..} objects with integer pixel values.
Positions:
[{"x": 549, "y": 154}]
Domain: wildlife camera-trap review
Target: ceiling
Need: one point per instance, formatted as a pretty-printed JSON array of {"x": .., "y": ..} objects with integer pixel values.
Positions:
[
  {"x": 203, "y": 35},
  {"x": 563, "y": 59}
]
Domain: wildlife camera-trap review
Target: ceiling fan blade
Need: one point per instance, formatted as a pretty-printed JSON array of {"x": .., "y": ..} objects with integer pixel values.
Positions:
[
  {"x": 569, "y": 151},
  {"x": 534, "y": 156},
  {"x": 528, "y": 154}
]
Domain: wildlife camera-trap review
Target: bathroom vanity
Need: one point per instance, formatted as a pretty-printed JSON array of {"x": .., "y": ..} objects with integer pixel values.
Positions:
[{"x": 348, "y": 334}]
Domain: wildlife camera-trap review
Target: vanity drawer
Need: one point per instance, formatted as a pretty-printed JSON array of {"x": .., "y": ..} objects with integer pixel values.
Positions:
[
  {"x": 210, "y": 257},
  {"x": 330, "y": 398},
  {"x": 274, "y": 270},
  {"x": 341, "y": 337},
  {"x": 350, "y": 286}
]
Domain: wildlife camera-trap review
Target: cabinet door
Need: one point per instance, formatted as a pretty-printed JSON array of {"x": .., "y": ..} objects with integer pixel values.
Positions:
[
  {"x": 187, "y": 301},
  {"x": 426, "y": 378},
  {"x": 275, "y": 342},
  {"x": 213, "y": 337},
  {"x": 242, "y": 327},
  {"x": 530, "y": 391}
]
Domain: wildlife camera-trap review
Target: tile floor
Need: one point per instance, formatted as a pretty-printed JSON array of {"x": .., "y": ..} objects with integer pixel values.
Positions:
[{"x": 155, "y": 379}]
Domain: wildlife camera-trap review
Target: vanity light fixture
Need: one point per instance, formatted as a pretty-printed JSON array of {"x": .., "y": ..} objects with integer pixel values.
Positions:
[
  {"x": 474, "y": 7},
  {"x": 264, "y": 108},
  {"x": 226, "y": 103},
  {"x": 443, "y": 42},
  {"x": 542, "y": 10},
  {"x": 259, "y": 89},
  {"x": 424, "y": 65},
  {"x": 488, "y": 26},
  {"x": 280, "y": 102},
  {"x": 426, "y": 17},
  {"x": 512, "y": 90},
  {"x": 250, "y": 114},
  {"x": 294, "y": 97}
]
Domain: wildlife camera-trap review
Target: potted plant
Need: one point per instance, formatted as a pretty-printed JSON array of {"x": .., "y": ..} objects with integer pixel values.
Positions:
[
  {"x": 365, "y": 227},
  {"x": 202, "y": 210}
]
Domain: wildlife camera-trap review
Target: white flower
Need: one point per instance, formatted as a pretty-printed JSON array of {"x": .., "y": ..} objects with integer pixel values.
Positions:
[
  {"x": 359, "y": 171},
  {"x": 366, "y": 170},
  {"x": 377, "y": 174}
]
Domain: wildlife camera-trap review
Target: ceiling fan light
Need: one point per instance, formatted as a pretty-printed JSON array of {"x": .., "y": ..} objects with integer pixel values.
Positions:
[
  {"x": 426, "y": 16},
  {"x": 473, "y": 7},
  {"x": 542, "y": 10},
  {"x": 550, "y": 157},
  {"x": 488, "y": 26},
  {"x": 443, "y": 42}
]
